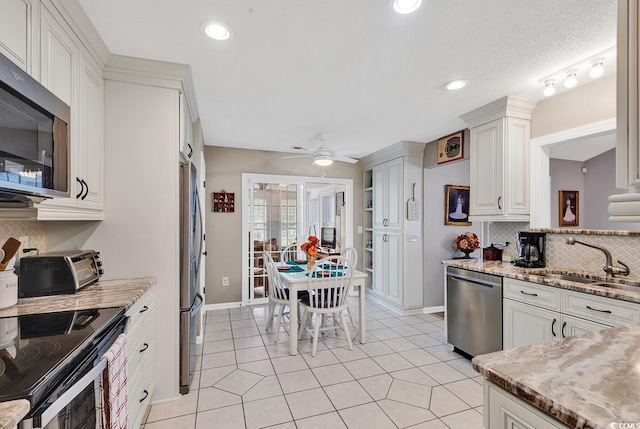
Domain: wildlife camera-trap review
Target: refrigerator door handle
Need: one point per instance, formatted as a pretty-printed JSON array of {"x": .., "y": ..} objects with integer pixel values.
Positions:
[
  {"x": 198, "y": 254},
  {"x": 197, "y": 308}
]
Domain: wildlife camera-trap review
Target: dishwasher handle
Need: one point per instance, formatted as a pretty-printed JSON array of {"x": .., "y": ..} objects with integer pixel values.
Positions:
[{"x": 472, "y": 280}]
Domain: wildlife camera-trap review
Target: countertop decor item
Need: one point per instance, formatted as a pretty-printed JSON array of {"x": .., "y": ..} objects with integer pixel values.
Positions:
[
  {"x": 311, "y": 247},
  {"x": 466, "y": 242}
]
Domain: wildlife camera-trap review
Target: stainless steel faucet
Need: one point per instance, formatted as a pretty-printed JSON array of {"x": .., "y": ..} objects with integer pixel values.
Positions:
[{"x": 611, "y": 266}]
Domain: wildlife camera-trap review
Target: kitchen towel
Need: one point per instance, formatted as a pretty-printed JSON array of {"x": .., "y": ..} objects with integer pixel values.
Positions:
[{"x": 113, "y": 386}]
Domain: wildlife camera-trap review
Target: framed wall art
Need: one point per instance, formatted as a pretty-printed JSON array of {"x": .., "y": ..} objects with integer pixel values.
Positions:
[
  {"x": 569, "y": 209},
  {"x": 456, "y": 205},
  {"x": 451, "y": 147},
  {"x": 223, "y": 202}
]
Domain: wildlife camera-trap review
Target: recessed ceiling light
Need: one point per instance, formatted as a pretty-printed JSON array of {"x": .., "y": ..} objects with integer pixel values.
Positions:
[
  {"x": 406, "y": 6},
  {"x": 217, "y": 31},
  {"x": 455, "y": 84}
]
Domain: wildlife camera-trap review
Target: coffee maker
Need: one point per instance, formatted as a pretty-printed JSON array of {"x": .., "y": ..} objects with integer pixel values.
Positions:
[{"x": 530, "y": 249}]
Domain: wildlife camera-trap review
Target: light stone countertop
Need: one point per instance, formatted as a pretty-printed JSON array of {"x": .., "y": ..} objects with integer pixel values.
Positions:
[
  {"x": 587, "y": 381},
  {"x": 506, "y": 269},
  {"x": 104, "y": 294},
  {"x": 12, "y": 412}
]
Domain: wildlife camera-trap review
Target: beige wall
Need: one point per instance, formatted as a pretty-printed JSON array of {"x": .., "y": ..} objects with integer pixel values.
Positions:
[
  {"x": 224, "y": 230},
  {"x": 593, "y": 102}
]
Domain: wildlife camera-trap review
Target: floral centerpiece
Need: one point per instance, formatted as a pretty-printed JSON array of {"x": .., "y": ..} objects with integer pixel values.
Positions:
[
  {"x": 466, "y": 242},
  {"x": 311, "y": 248}
]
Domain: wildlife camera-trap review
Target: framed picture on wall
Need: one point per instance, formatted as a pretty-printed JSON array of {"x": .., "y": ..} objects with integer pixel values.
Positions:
[
  {"x": 569, "y": 209},
  {"x": 451, "y": 147},
  {"x": 456, "y": 211}
]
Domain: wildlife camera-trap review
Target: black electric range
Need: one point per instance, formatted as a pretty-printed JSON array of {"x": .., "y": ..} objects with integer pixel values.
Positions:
[{"x": 39, "y": 351}]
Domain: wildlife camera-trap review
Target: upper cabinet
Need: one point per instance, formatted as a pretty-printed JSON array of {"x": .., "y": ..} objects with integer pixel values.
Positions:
[
  {"x": 186, "y": 131},
  {"x": 499, "y": 158},
  {"x": 16, "y": 32},
  {"x": 387, "y": 193},
  {"x": 626, "y": 207},
  {"x": 55, "y": 43}
]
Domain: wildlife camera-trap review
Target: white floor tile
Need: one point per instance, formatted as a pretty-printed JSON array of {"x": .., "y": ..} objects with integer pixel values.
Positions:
[
  {"x": 469, "y": 419},
  {"x": 414, "y": 375},
  {"x": 322, "y": 358},
  {"x": 209, "y": 377},
  {"x": 444, "y": 402},
  {"x": 289, "y": 364},
  {"x": 266, "y": 412},
  {"x": 414, "y": 394},
  {"x": 332, "y": 374},
  {"x": 211, "y": 398},
  {"x": 467, "y": 390},
  {"x": 297, "y": 381},
  {"x": 228, "y": 418},
  {"x": 442, "y": 373},
  {"x": 260, "y": 367},
  {"x": 405, "y": 415},
  {"x": 309, "y": 403},
  {"x": 367, "y": 416},
  {"x": 183, "y": 422},
  {"x": 251, "y": 355},
  {"x": 349, "y": 394},
  {"x": 323, "y": 421},
  {"x": 268, "y": 387},
  {"x": 187, "y": 404},
  {"x": 238, "y": 382},
  {"x": 363, "y": 368},
  {"x": 378, "y": 386},
  {"x": 392, "y": 362}
]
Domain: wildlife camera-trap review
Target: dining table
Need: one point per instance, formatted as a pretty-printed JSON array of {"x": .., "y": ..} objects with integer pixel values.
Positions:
[{"x": 297, "y": 280}]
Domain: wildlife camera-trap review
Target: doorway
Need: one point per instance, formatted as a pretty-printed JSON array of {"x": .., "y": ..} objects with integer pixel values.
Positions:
[{"x": 280, "y": 211}]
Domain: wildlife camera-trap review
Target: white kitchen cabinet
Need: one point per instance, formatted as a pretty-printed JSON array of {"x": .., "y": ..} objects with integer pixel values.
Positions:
[
  {"x": 499, "y": 160},
  {"x": 504, "y": 410},
  {"x": 626, "y": 207},
  {"x": 185, "y": 143},
  {"x": 17, "y": 22},
  {"x": 58, "y": 58},
  {"x": 387, "y": 279},
  {"x": 535, "y": 313},
  {"x": 388, "y": 195},
  {"x": 392, "y": 238},
  {"x": 140, "y": 350}
]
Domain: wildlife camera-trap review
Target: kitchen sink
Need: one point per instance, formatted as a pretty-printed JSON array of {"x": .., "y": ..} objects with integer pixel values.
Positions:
[
  {"x": 617, "y": 286},
  {"x": 568, "y": 277}
]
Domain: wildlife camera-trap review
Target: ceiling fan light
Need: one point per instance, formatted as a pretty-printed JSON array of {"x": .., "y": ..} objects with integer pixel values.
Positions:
[
  {"x": 217, "y": 31},
  {"x": 404, "y": 7},
  {"x": 597, "y": 69},
  {"x": 323, "y": 162}
]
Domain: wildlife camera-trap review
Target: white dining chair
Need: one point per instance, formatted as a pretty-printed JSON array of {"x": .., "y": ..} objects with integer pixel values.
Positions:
[
  {"x": 352, "y": 255},
  {"x": 278, "y": 294},
  {"x": 331, "y": 289},
  {"x": 290, "y": 253}
]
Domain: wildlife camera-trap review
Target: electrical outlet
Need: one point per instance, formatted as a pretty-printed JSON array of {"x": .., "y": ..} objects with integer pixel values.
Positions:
[
  {"x": 225, "y": 281},
  {"x": 24, "y": 244}
]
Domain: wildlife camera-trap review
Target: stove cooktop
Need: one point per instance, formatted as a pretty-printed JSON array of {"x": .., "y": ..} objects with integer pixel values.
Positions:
[{"x": 35, "y": 348}]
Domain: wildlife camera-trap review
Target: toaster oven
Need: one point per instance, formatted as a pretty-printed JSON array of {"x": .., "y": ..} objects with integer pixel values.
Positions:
[{"x": 56, "y": 273}]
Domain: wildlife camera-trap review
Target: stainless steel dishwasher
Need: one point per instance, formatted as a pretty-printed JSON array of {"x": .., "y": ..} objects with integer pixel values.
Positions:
[{"x": 474, "y": 311}]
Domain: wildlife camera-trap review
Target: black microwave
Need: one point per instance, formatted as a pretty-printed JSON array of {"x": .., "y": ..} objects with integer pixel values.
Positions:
[{"x": 34, "y": 137}]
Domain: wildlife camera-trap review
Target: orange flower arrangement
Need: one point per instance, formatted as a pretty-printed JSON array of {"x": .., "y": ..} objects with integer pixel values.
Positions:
[
  {"x": 311, "y": 246},
  {"x": 467, "y": 241}
]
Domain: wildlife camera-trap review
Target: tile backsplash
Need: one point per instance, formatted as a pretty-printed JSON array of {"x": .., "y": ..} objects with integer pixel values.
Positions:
[
  {"x": 501, "y": 232},
  {"x": 24, "y": 228}
]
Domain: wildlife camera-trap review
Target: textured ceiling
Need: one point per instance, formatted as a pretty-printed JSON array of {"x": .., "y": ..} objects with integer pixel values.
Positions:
[{"x": 354, "y": 69}]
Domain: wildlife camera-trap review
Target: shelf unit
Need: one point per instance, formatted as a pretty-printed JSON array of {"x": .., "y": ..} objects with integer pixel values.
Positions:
[{"x": 367, "y": 237}]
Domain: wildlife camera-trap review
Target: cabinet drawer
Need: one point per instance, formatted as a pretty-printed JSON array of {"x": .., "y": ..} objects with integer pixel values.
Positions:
[
  {"x": 600, "y": 309},
  {"x": 139, "y": 389},
  {"x": 141, "y": 309},
  {"x": 139, "y": 344},
  {"x": 531, "y": 293}
]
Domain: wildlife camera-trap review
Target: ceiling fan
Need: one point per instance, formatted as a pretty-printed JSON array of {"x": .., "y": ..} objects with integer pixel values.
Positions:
[{"x": 321, "y": 156}]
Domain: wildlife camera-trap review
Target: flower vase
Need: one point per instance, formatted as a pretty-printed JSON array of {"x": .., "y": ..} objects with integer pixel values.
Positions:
[
  {"x": 466, "y": 253},
  {"x": 311, "y": 262}
]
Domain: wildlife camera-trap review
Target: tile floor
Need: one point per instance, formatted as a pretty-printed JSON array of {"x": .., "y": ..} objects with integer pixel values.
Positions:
[{"x": 403, "y": 377}]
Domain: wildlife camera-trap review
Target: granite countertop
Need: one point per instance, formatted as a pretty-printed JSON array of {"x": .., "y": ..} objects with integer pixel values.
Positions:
[
  {"x": 506, "y": 269},
  {"x": 12, "y": 412},
  {"x": 105, "y": 293},
  {"x": 588, "y": 381}
]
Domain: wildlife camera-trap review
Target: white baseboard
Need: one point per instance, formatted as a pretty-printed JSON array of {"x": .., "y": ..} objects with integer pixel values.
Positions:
[
  {"x": 437, "y": 309},
  {"x": 223, "y": 306}
]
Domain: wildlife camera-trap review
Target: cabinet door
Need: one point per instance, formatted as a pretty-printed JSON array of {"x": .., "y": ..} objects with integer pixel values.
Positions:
[
  {"x": 526, "y": 324},
  {"x": 486, "y": 170},
  {"x": 379, "y": 263},
  {"x": 58, "y": 60},
  {"x": 395, "y": 193},
  {"x": 575, "y": 326},
  {"x": 379, "y": 196},
  {"x": 15, "y": 32},
  {"x": 89, "y": 144},
  {"x": 393, "y": 265},
  {"x": 186, "y": 130}
]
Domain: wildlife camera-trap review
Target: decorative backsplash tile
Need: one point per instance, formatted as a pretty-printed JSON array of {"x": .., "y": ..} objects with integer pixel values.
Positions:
[
  {"x": 501, "y": 232},
  {"x": 23, "y": 228}
]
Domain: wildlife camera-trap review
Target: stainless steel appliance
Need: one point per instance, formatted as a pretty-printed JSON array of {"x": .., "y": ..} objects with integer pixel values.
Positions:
[
  {"x": 530, "y": 249},
  {"x": 55, "y": 273},
  {"x": 191, "y": 243},
  {"x": 53, "y": 361},
  {"x": 474, "y": 311},
  {"x": 34, "y": 137}
]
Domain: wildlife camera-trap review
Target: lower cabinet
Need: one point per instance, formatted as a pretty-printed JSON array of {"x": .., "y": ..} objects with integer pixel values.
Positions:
[
  {"x": 504, "y": 410},
  {"x": 387, "y": 258},
  {"x": 140, "y": 351},
  {"x": 535, "y": 313}
]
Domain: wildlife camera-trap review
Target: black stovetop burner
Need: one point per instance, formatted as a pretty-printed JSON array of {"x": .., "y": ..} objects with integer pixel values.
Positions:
[{"x": 35, "y": 349}]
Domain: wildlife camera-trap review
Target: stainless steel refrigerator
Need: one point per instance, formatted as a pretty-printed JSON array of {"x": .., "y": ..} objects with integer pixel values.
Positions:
[{"x": 191, "y": 243}]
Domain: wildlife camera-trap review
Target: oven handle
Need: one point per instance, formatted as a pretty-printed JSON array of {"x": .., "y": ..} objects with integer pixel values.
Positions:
[{"x": 64, "y": 399}]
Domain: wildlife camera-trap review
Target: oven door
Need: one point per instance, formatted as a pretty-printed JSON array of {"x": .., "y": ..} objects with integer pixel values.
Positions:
[{"x": 74, "y": 404}]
